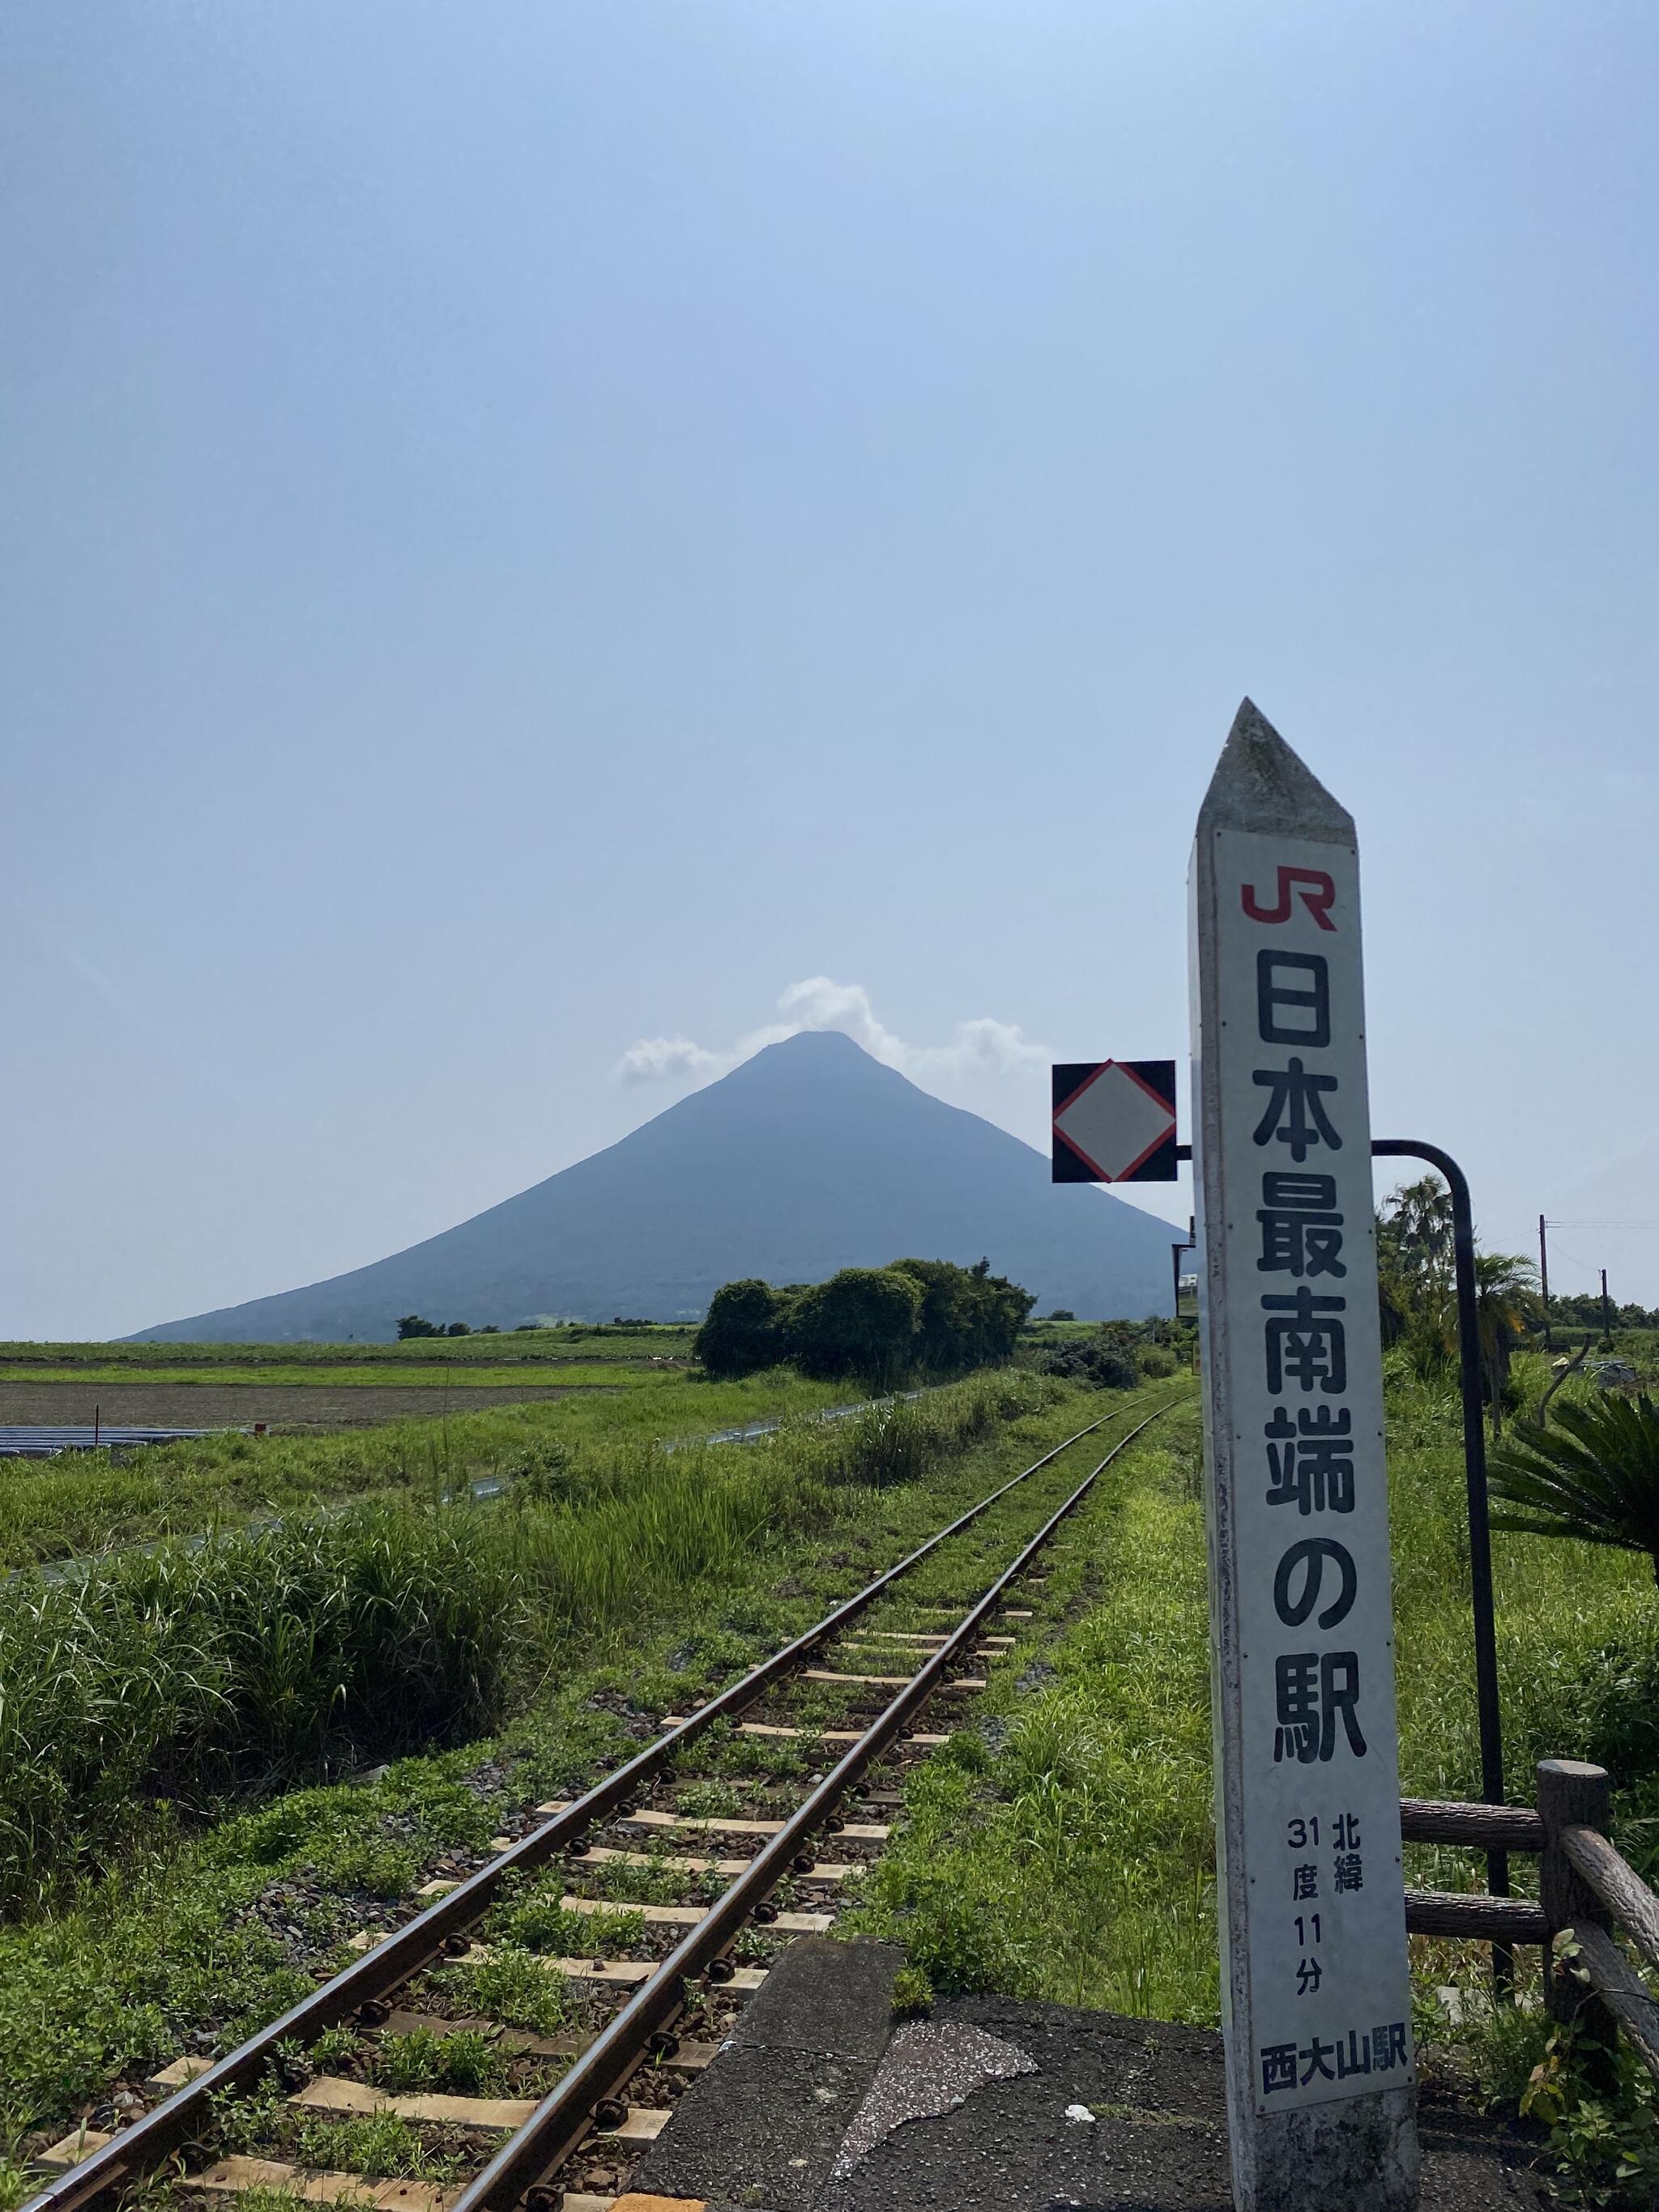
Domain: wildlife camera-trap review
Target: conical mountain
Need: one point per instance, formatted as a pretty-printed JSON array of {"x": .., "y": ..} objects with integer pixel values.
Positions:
[{"x": 808, "y": 1158}]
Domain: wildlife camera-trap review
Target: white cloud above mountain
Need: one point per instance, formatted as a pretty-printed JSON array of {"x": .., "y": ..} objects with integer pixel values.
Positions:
[{"x": 980, "y": 1048}]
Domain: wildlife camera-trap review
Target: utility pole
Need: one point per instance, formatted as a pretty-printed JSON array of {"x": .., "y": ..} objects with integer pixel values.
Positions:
[
  {"x": 1607, "y": 1313},
  {"x": 1544, "y": 1281}
]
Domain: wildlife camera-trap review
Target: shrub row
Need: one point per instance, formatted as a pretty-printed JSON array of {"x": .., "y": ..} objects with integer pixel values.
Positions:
[{"x": 917, "y": 1317}]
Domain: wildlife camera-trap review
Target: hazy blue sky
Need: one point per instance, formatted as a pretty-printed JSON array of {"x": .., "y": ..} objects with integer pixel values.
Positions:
[{"x": 530, "y": 528}]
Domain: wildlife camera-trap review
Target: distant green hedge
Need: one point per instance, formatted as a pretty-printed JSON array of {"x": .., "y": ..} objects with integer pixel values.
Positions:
[{"x": 878, "y": 1324}]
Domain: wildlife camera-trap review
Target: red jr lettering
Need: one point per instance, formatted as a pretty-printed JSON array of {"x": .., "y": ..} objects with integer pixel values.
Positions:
[{"x": 1316, "y": 898}]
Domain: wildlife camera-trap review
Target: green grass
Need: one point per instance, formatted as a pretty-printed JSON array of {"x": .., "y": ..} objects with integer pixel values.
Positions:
[
  {"x": 1064, "y": 1849},
  {"x": 464, "y": 2064},
  {"x": 475, "y": 1374},
  {"x": 171, "y": 1676},
  {"x": 534, "y": 1919},
  {"x": 1076, "y": 1862},
  {"x": 581, "y": 1340},
  {"x": 86, "y": 1502},
  {"x": 194, "y": 1937}
]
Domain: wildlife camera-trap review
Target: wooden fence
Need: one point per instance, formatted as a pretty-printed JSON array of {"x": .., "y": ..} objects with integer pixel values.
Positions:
[{"x": 1584, "y": 1885}]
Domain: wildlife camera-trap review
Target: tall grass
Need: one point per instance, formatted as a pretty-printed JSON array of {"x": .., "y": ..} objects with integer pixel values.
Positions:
[
  {"x": 87, "y": 1501},
  {"x": 197, "y": 1669},
  {"x": 595, "y": 1536},
  {"x": 180, "y": 1674}
]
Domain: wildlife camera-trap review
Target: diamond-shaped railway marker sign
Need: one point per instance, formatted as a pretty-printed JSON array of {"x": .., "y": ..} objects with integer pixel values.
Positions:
[{"x": 1115, "y": 1120}]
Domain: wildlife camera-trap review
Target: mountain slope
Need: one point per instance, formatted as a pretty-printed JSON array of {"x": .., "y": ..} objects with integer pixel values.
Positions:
[{"x": 809, "y": 1158}]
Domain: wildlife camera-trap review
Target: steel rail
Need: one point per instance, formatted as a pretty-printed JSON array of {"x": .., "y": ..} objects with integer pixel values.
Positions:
[
  {"x": 406, "y": 1950},
  {"x": 565, "y": 2115}
]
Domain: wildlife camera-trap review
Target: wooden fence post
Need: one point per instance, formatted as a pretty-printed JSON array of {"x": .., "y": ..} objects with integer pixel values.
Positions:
[{"x": 1569, "y": 1795}]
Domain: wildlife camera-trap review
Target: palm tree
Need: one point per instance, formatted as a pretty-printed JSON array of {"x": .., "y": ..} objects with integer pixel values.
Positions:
[
  {"x": 1414, "y": 1232},
  {"x": 1505, "y": 1304},
  {"x": 1415, "y": 1273},
  {"x": 1594, "y": 1476}
]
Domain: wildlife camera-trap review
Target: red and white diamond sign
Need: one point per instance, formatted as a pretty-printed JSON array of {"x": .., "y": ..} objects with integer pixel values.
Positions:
[{"x": 1115, "y": 1120}]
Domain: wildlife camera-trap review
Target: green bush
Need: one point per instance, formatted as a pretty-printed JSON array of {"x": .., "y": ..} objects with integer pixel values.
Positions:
[
  {"x": 744, "y": 1330},
  {"x": 1110, "y": 1359},
  {"x": 878, "y": 1324},
  {"x": 179, "y": 1672},
  {"x": 865, "y": 1322}
]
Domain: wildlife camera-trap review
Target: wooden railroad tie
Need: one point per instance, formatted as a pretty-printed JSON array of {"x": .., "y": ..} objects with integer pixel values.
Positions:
[
  {"x": 617, "y": 1974},
  {"x": 231, "y": 2176},
  {"x": 930, "y": 1642},
  {"x": 729, "y": 1867},
  {"x": 688, "y": 1916},
  {"x": 854, "y": 1832},
  {"x": 890, "y": 1681},
  {"x": 333, "y": 2093},
  {"x": 820, "y": 1735},
  {"x": 598, "y": 1973},
  {"x": 71, "y": 2149}
]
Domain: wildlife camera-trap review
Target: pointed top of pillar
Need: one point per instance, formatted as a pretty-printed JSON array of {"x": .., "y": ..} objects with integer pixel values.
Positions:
[{"x": 1259, "y": 784}]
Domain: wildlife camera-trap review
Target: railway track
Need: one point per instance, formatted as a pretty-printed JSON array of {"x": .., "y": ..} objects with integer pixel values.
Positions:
[{"x": 685, "y": 1895}]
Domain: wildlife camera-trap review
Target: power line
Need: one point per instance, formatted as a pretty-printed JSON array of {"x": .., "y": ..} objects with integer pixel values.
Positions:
[{"x": 1650, "y": 1227}]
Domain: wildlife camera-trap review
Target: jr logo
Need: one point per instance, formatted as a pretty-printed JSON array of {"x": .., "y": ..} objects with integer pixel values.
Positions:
[{"x": 1316, "y": 897}]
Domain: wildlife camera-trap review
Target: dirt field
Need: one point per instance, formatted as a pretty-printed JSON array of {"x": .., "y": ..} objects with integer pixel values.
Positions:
[{"x": 238, "y": 1404}]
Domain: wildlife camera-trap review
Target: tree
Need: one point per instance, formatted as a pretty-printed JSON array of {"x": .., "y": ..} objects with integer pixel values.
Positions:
[
  {"x": 926, "y": 1316},
  {"x": 742, "y": 1330},
  {"x": 1060, "y": 1313},
  {"x": 1416, "y": 1302},
  {"x": 1506, "y": 1305},
  {"x": 1414, "y": 1233},
  {"x": 412, "y": 1325},
  {"x": 864, "y": 1321},
  {"x": 458, "y": 1328},
  {"x": 1417, "y": 1294},
  {"x": 1593, "y": 1475},
  {"x": 969, "y": 1317}
]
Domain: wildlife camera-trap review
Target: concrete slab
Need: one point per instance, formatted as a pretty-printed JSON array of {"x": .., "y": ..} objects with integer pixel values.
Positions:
[
  {"x": 1155, "y": 2136},
  {"x": 827, "y": 1997},
  {"x": 1114, "y": 2115},
  {"x": 763, "y": 2126}
]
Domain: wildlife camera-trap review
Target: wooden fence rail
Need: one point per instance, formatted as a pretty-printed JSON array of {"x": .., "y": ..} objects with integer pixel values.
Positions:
[{"x": 1586, "y": 1887}]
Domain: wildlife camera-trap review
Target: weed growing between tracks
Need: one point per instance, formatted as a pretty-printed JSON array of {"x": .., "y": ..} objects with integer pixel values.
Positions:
[
  {"x": 195, "y": 1941},
  {"x": 1075, "y": 1860}
]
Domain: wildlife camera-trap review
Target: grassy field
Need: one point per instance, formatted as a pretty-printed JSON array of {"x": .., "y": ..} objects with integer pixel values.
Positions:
[
  {"x": 84, "y": 1502},
  {"x": 475, "y": 1374},
  {"x": 160, "y": 1915},
  {"x": 1061, "y": 1848},
  {"x": 578, "y": 1340},
  {"x": 1064, "y": 1848}
]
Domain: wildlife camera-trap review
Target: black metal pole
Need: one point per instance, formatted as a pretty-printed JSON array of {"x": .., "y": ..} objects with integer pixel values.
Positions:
[{"x": 1487, "y": 1704}]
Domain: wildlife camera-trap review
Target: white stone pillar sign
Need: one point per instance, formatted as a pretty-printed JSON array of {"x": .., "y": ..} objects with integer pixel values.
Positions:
[{"x": 1321, "y": 2085}]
